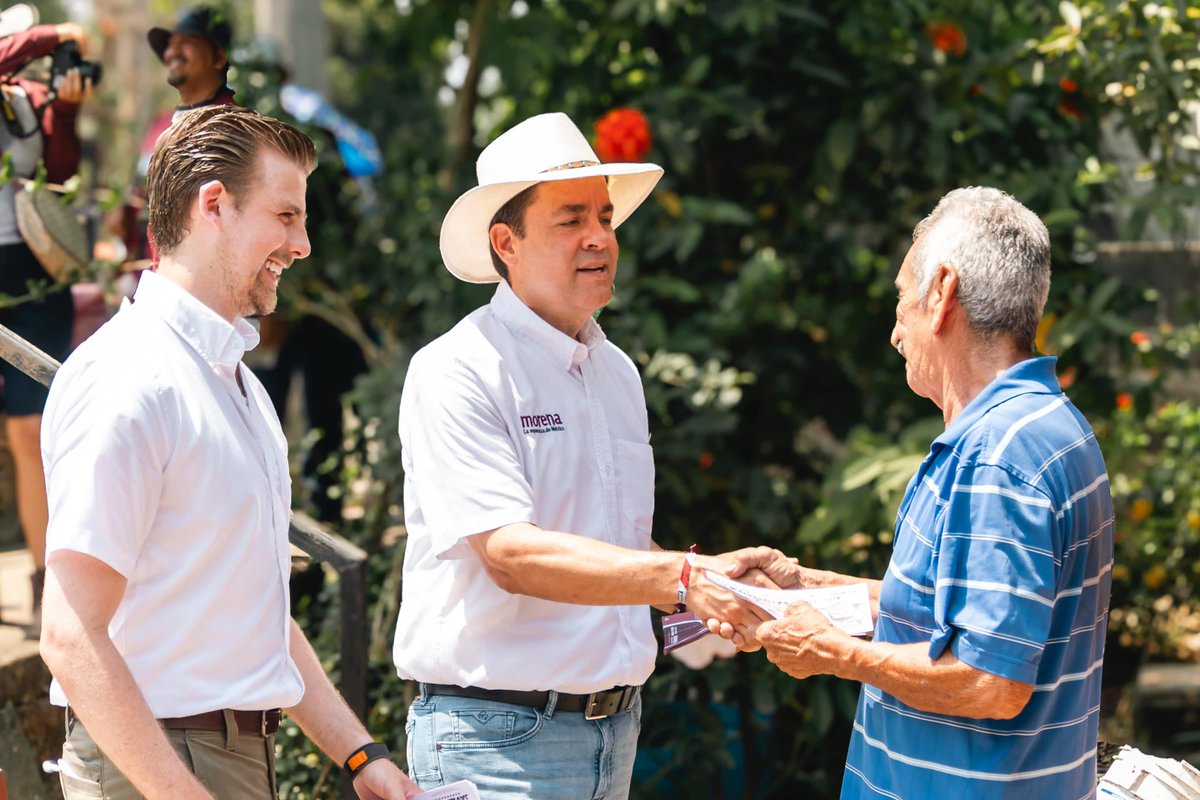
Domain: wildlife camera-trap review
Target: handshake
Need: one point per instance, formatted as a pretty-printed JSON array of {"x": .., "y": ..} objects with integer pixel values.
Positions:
[{"x": 758, "y": 596}]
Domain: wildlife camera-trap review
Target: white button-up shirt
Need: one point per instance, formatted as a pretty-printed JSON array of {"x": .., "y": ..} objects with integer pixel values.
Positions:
[
  {"x": 505, "y": 419},
  {"x": 158, "y": 465}
]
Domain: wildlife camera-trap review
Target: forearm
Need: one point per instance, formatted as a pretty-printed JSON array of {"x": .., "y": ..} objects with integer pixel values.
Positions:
[
  {"x": 563, "y": 567},
  {"x": 942, "y": 686},
  {"x": 322, "y": 714},
  {"x": 107, "y": 701}
]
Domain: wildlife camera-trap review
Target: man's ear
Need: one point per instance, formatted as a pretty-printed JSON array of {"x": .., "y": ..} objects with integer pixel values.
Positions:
[
  {"x": 504, "y": 243},
  {"x": 209, "y": 201},
  {"x": 943, "y": 295}
]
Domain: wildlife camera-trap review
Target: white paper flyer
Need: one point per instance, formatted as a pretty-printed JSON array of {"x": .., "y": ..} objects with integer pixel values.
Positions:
[
  {"x": 848, "y": 607},
  {"x": 459, "y": 790}
]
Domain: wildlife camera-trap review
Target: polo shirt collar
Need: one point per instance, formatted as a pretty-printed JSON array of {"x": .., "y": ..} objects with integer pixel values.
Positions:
[
  {"x": 524, "y": 323},
  {"x": 1031, "y": 376},
  {"x": 214, "y": 339}
]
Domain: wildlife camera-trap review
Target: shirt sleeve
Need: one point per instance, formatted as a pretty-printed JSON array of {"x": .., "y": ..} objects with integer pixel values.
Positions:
[
  {"x": 996, "y": 573},
  {"x": 22, "y": 47},
  {"x": 459, "y": 457},
  {"x": 104, "y": 452}
]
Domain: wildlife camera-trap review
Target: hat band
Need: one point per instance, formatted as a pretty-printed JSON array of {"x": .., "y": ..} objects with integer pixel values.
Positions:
[{"x": 573, "y": 165}]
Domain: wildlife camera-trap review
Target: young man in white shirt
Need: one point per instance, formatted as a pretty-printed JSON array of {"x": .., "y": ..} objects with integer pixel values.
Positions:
[
  {"x": 167, "y": 623},
  {"x": 529, "y": 492}
]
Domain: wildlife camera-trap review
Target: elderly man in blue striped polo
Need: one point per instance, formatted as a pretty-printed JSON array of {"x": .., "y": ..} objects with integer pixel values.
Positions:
[{"x": 983, "y": 677}]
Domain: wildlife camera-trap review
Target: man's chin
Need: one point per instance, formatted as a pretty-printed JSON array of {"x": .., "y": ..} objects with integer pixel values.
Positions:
[{"x": 177, "y": 80}]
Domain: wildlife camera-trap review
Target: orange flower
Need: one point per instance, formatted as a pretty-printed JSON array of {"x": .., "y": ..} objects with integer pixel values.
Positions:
[
  {"x": 1139, "y": 338},
  {"x": 1140, "y": 510},
  {"x": 623, "y": 134},
  {"x": 1067, "y": 378},
  {"x": 975, "y": 90},
  {"x": 1124, "y": 401},
  {"x": 947, "y": 37},
  {"x": 1067, "y": 85},
  {"x": 706, "y": 460}
]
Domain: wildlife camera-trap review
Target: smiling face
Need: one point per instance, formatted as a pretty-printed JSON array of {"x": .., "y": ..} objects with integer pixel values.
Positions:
[
  {"x": 261, "y": 236},
  {"x": 564, "y": 264},
  {"x": 194, "y": 64}
]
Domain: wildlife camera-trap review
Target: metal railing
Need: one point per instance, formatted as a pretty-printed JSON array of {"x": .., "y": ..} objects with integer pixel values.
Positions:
[{"x": 313, "y": 538}]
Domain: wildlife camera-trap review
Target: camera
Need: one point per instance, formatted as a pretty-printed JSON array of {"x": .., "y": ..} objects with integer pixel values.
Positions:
[{"x": 66, "y": 56}]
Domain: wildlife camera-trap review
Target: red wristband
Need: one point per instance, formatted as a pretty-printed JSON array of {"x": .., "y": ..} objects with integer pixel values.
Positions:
[{"x": 684, "y": 578}]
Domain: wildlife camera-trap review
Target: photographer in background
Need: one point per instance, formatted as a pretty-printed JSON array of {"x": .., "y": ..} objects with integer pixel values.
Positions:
[{"x": 39, "y": 126}]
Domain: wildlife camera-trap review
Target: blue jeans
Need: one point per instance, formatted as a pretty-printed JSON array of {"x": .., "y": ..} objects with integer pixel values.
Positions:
[{"x": 512, "y": 751}]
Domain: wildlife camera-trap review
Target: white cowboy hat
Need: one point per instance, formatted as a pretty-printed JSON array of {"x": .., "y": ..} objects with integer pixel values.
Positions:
[
  {"x": 547, "y": 147},
  {"x": 17, "y": 18}
]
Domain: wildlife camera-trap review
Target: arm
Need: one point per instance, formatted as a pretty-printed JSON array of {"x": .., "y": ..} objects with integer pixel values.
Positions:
[
  {"x": 82, "y": 594},
  {"x": 19, "y": 49},
  {"x": 326, "y": 719},
  {"x": 525, "y": 559},
  {"x": 804, "y": 643}
]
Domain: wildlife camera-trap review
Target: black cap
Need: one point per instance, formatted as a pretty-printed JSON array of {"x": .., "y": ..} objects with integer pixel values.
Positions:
[{"x": 204, "y": 21}]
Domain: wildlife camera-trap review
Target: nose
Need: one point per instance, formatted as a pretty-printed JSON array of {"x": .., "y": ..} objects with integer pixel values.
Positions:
[
  {"x": 597, "y": 235},
  {"x": 298, "y": 244},
  {"x": 172, "y": 48},
  {"x": 896, "y": 338}
]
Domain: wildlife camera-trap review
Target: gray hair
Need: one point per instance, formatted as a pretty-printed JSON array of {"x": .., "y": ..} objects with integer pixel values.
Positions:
[{"x": 1002, "y": 253}]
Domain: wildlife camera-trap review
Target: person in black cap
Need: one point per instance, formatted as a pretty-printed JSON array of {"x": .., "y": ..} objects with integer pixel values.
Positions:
[{"x": 196, "y": 55}]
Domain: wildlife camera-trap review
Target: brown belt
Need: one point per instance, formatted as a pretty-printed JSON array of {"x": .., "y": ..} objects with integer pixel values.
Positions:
[
  {"x": 260, "y": 722},
  {"x": 596, "y": 705}
]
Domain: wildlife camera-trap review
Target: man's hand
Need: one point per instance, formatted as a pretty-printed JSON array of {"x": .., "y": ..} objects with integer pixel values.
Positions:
[
  {"x": 383, "y": 780},
  {"x": 72, "y": 32},
  {"x": 74, "y": 89},
  {"x": 783, "y": 572},
  {"x": 711, "y": 602},
  {"x": 793, "y": 642}
]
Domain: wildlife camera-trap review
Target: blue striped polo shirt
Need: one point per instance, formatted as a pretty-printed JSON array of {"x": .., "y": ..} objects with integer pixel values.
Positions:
[{"x": 1003, "y": 555}]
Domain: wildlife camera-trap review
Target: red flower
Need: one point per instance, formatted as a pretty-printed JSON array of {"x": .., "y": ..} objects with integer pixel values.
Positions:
[
  {"x": 1139, "y": 337},
  {"x": 1067, "y": 379},
  {"x": 1067, "y": 85},
  {"x": 623, "y": 134},
  {"x": 1070, "y": 109},
  {"x": 974, "y": 90},
  {"x": 1124, "y": 401},
  {"x": 947, "y": 37},
  {"x": 706, "y": 460}
]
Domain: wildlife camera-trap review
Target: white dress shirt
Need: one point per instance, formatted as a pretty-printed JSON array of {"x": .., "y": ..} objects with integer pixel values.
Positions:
[
  {"x": 158, "y": 465},
  {"x": 505, "y": 419}
]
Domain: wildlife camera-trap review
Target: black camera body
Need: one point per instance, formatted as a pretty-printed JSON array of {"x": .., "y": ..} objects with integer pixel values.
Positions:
[{"x": 66, "y": 56}]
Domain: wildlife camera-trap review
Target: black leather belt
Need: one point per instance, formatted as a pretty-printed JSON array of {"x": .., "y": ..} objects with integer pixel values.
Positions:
[{"x": 596, "y": 705}]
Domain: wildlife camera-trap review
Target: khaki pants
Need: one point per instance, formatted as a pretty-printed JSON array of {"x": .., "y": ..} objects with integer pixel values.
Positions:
[{"x": 233, "y": 765}]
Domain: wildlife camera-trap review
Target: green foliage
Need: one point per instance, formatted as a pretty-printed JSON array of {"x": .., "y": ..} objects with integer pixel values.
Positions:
[
  {"x": 802, "y": 141},
  {"x": 1154, "y": 465}
]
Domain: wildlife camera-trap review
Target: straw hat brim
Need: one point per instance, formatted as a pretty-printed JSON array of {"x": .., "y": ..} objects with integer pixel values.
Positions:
[{"x": 466, "y": 249}]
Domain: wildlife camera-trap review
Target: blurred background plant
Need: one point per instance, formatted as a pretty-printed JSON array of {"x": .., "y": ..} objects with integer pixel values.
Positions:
[{"x": 802, "y": 141}]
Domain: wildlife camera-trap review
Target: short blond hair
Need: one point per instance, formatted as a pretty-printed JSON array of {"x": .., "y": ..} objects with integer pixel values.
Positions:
[{"x": 216, "y": 143}]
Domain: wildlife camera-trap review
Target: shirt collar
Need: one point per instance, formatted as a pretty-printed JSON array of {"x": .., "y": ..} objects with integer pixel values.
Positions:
[
  {"x": 523, "y": 322},
  {"x": 217, "y": 342},
  {"x": 1031, "y": 376}
]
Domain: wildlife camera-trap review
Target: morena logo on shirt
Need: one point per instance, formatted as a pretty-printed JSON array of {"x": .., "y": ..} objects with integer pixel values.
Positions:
[{"x": 541, "y": 423}]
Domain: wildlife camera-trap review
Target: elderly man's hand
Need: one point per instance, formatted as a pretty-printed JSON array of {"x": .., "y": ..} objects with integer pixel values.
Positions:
[
  {"x": 793, "y": 641},
  {"x": 712, "y": 602},
  {"x": 783, "y": 572}
]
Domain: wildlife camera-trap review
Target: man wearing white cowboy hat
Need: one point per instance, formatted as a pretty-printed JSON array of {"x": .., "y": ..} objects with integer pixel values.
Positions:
[{"x": 529, "y": 492}]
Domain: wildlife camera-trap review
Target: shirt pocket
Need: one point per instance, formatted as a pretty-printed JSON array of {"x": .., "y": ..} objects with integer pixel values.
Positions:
[{"x": 635, "y": 479}]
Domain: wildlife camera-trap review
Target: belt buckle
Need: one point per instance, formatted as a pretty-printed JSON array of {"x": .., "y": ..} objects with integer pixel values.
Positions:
[
  {"x": 268, "y": 716},
  {"x": 591, "y": 706}
]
